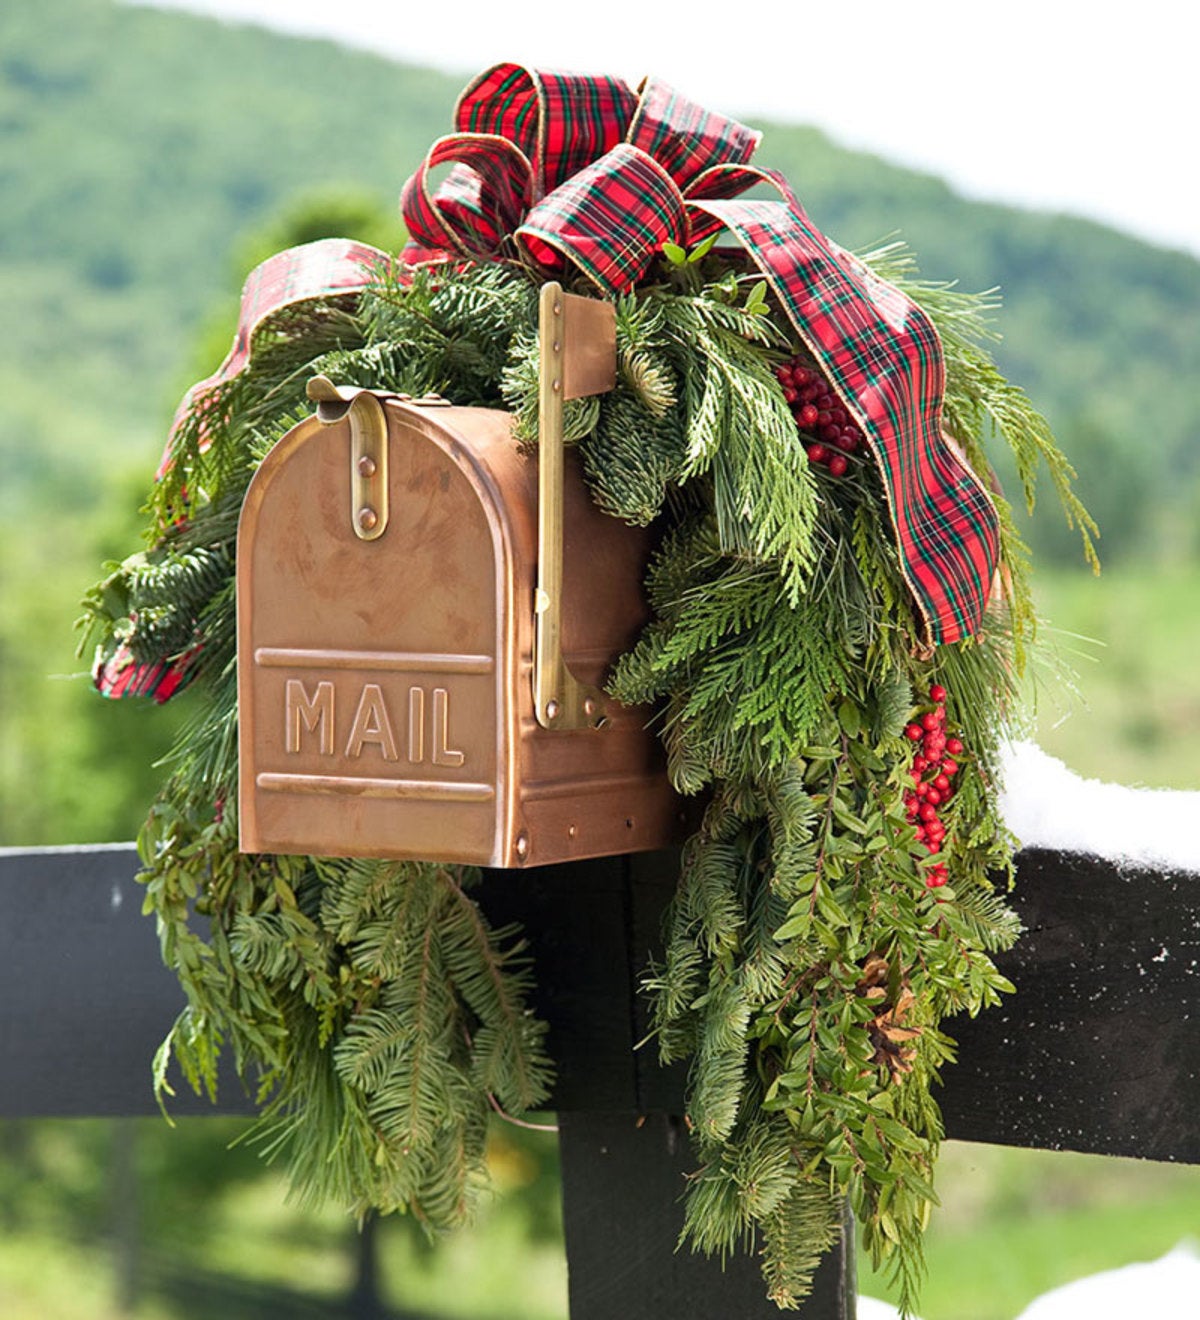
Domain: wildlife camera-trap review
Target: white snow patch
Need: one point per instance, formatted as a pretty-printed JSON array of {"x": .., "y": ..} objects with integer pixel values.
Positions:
[
  {"x": 1048, "y": 806},
  {"x": 1164, "y": 1289}
]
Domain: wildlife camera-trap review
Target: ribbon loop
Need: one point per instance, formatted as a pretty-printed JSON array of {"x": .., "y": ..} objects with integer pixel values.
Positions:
[
  {"x": 560, "y": 121},
  {"x": 683, "y": 137},
  {"x": 478, "y": 204},
  {"x": 611, "y": 218}
]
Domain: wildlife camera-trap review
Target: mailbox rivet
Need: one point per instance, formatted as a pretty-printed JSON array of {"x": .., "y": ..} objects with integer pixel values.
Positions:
[
  {"x": 572, "y": 831},
  {"x": 366, "y": 466},
  {"x": 367, "y": 518},
  {"x": 552, "y": 710},
  {"x": 522, "y": 845},
  {"x": 589, "y": 707},
  {"x": 558, "y": 309},
  {"x": 557, "y": 346},
  {"x": 557, "y": 386}
]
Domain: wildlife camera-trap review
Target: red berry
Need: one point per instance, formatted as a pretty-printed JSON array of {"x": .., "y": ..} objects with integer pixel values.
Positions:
[
  {"x": 825, "y": 401},
  {"x": 784, "y": 375},
  {"x": 937, "y": 693},
  {"x": 838, "y": 465},
  {"x": 801, "y": 376},
  {"x": 810, "y": 392},
  {"x": 936, "y": 876},
  {"x": 789, "y": 393},
  {"x": 933, "y": 796},
  {"x": 942, "y": 784},
  {"x": 837, "y": 416},
  {"x": 920, "y": 762},
  {"x": 930, "y": 721},
  {"x": 913, "y": 732},
  {"x": 920, "y": 833},
  {"x": 954, "y": 747},
  {"x": 927, "y": 811},
  {"x": 923, "y": 790},
  {"x": 949, "y": 767},
  {"x": 807, "y": 416},
  {"x": 817, "y": 453},
  {"x": 933, "y": 845},
  {"x": 847, "y": 441},
  {"x": 829, "y": 433}
]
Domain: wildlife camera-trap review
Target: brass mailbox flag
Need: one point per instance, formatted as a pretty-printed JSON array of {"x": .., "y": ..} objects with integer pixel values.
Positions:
[
  {"x": 402, "y": 595},
  {"x": 577, "y": 357}
]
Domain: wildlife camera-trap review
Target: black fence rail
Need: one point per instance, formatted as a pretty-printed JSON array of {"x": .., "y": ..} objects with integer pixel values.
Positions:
[{"x": 1098, "y": 1051}]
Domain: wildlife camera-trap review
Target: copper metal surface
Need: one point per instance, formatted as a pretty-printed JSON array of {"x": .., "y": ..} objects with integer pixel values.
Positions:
[{"x": 385, "y": 687}]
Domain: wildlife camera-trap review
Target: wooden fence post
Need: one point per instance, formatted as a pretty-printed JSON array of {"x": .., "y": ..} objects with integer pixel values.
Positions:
[{"x": 1097, "y": 1051}]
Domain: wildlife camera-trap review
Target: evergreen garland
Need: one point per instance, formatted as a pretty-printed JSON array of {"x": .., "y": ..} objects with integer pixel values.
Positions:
[{"x": 808, "y": 967}]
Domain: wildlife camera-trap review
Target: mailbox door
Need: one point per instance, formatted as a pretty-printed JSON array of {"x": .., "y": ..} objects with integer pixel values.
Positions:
[{"x": 373, "y": 712}]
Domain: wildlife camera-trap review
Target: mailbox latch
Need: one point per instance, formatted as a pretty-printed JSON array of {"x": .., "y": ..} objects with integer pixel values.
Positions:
[{"x": 368, "y": 451}]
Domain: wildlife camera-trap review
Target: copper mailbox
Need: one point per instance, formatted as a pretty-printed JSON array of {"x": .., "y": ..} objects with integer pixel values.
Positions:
[{"x": 388, "y": 581}]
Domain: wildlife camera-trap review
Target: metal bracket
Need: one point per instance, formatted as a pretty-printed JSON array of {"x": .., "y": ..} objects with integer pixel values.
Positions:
[
  {"x": 368, "y": 451},
  {"x": 577, "y": 357}
]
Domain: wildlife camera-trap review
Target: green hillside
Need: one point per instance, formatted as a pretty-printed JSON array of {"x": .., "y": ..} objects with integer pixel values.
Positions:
[
  {"x": 137, "y": 146},
  {"x": 144, "y": 153}
]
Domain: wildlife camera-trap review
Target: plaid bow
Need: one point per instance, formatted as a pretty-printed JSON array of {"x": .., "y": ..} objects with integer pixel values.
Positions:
[{"x": 558, "y": 168}]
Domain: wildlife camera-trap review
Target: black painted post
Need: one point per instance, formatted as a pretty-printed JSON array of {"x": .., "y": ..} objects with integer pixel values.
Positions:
[
  {"x": 125, "y": 1217},
  {"x": 623, "y": 1178},
  {"x": 625, "y": 1150},
  {"x": 1097, "y": 1051}
]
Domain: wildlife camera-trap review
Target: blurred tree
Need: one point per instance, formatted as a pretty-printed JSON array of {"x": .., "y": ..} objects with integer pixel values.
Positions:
[{"x": 1121, "y": 483}]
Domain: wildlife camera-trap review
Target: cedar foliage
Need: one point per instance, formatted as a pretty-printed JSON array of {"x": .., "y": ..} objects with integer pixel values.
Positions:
[{"x": 807, "y": 967}]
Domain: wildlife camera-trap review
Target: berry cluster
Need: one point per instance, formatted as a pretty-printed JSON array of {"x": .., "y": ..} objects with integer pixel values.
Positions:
[
  {"x": 820, "y": 414},
  {"x": 933, "y": 770}
]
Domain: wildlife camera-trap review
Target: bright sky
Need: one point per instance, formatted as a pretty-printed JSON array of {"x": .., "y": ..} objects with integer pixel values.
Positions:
[{"x": 1043, "y": 103}]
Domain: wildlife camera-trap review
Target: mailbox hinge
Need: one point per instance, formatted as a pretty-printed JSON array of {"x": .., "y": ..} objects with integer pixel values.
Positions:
[{"x": 577, "y": 357}]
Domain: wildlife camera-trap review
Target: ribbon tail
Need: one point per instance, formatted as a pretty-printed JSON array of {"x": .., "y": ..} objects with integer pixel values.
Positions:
[
  {"x": 884, "y": 360},
  {"x": 327, "y": 268}
]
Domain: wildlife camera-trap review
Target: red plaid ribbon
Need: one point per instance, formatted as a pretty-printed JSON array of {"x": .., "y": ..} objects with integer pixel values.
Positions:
[
  {"x": 120, "y": 675},
  {"x": 883, "y": 358},
  {"x": 567, "y": 168},
  {"x": 328, "y": 268},
  {"x": 558, "y": 168}
]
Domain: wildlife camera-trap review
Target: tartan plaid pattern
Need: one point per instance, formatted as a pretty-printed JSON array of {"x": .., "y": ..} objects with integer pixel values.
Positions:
[
  {"x": 482, "y": 200},
  {"x": 884, "y": 360},
  {"x": 685, "y": 138},
  {"x": 611, "y": 205},
  {"x": 560, "y": 121},
  {"x": 578, "y": 168},
  {"x": 611, "y": 219},
  {"x": 120, "y": 675},
  {"x": 328, "y": 268}
]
